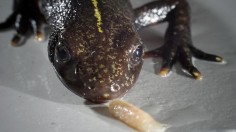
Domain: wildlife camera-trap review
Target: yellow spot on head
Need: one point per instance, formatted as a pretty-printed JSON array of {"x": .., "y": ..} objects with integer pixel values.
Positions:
[
  {"x": 97, "y": 14},
  {"x": 101, "y": 66},
  {"x": 105, "y": 70},
  {"x": 106, "y": 95},
  {"x": 101, "y": 81},
  {"x": 94, "y": 78}
]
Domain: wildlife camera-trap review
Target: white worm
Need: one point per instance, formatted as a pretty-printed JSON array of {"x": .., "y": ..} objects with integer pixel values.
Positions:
[{"x": 135, "y": 117}]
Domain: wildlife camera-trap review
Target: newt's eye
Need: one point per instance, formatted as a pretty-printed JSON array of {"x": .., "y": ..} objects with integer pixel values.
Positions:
[
  {"x": 62, "y": 54},
  {"x": 137, "y": 55}
]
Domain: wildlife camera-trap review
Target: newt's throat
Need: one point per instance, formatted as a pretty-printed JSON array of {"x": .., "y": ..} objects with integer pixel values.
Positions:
[{"x": 97, "y": 14}]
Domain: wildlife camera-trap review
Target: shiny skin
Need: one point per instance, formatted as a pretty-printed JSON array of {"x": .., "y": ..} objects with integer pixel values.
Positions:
[
  {"x": 95, "y": 47},
  {"x": 100, "y": 66}
]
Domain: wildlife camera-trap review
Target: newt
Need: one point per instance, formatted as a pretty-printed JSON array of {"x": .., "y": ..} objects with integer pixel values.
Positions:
[{"x": 94, "y": 45}]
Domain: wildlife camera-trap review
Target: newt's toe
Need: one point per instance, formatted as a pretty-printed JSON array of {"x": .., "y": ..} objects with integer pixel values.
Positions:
[
  {"x": 219, "y": 59},
  {"x": 16, "y": 40},
  {"x": 197, "y": 75},
  {"x": 164, "y": 72},
  {"x": 39, "y": 36}
]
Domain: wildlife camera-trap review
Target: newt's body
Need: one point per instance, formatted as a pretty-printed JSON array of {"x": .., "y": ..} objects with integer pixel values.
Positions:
[{"x": 94, "y": 45}]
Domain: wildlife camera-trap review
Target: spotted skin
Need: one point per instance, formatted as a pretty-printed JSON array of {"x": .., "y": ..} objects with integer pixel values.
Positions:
[
  {"x": 95, "y": 47},
  {"x": 100, "y": 67}
]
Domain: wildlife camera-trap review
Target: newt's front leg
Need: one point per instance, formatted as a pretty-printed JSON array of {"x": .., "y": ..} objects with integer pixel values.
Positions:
[
  {"x": 26, "y": 16},
  {"x": 178, "y": 44}
]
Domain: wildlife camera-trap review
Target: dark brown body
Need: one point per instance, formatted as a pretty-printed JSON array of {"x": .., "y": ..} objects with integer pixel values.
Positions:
[{"x": 94, "y": 44}]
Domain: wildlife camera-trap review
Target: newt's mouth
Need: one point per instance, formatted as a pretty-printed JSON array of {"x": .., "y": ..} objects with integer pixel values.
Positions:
[{"x": 103, "y": 94}]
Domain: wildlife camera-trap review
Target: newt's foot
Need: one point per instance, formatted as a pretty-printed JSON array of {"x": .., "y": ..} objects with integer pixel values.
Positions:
[
  {"x": 183, "y": 54},
  {"x": 25, "y": 17}
]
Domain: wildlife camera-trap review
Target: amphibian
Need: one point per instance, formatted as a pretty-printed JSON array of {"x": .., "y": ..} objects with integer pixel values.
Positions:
[{"x": 95, "y": 47}]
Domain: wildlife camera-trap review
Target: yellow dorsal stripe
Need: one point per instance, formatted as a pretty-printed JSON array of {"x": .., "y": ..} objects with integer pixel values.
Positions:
[{"x": 97, "y": 14}]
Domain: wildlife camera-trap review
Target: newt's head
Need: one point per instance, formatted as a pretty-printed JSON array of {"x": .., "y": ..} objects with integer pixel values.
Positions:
[
  {"x": 97, "y": 66},
  {"x": 99, "y": 54}
]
